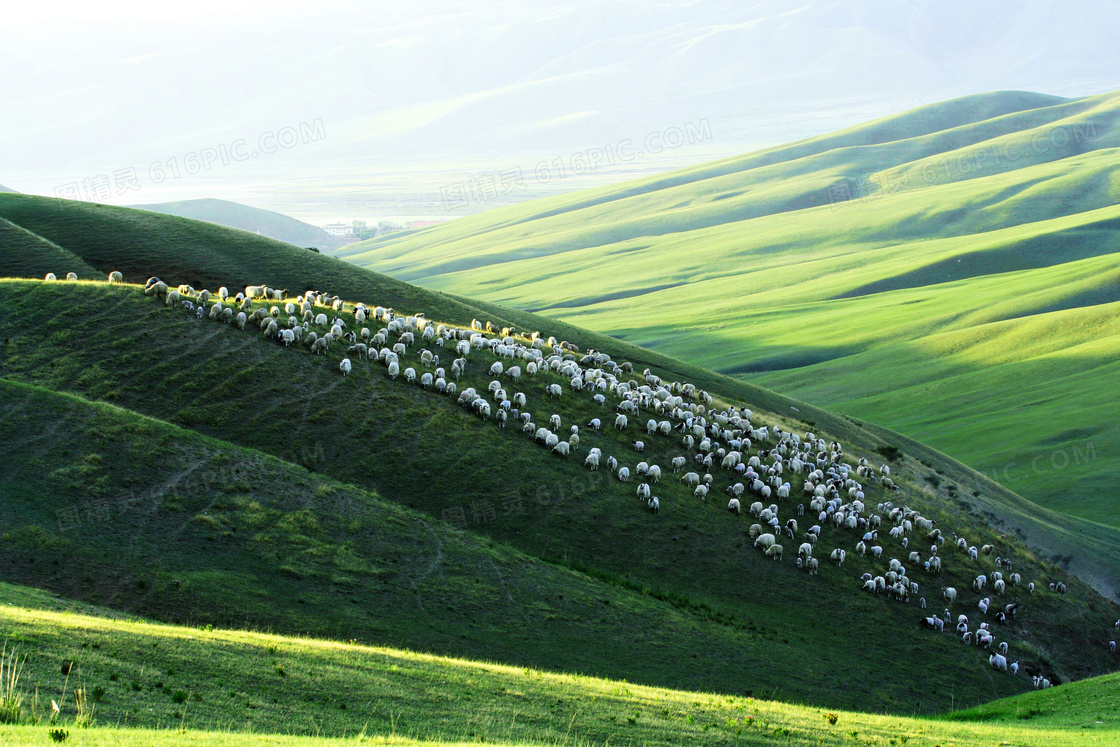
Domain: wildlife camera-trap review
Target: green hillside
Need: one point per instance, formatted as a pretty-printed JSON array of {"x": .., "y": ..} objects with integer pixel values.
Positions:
[
  {"x": 123, "y": 378},
  {"x": 691, "y": 563},
  {"x": 158, "y": 684},
  {"x": 904, "y": 271},
  {"x": 254, "y": 220}
]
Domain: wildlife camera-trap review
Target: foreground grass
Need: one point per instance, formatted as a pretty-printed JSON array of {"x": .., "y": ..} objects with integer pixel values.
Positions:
[{"x": 161, "y": 684}]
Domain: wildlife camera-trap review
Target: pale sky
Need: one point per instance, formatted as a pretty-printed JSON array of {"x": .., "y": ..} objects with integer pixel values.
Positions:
[{"x": 405, "y": 98}]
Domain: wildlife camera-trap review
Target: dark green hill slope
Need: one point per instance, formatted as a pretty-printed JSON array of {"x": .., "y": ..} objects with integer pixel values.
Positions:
[
  {"x": 25, "y": 254},
  {"x": 103, "y": 505}
]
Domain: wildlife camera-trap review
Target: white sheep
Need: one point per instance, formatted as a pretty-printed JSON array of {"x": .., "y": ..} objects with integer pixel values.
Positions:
[
  {"x": 343, "y": 366},
  {"x": 620, "y": 422},
  {"x": 115, "y": 277},
  {"x": 49, "y": 277},
  {"x": 71, "y": 276},
  {"x": 654, "y": 504}
]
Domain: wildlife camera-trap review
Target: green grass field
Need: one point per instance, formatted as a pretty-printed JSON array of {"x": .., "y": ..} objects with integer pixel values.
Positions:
[
  {"x": 189, "y": 472},
  {"x": 305, "y": 558},
  {"x": 963, "y": 295},
  {"x": 149, "y": 683}
]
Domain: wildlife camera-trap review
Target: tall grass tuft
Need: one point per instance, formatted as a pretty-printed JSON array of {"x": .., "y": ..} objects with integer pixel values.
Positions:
[
  {"x": 84, "y": 707},
  {"x": 11, "y": 700}
]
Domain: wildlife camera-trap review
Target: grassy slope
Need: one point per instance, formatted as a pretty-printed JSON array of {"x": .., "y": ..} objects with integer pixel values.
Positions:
[
  {"x": 988, "y": 209},
  {"x": 419, "y": 449},
  {"x": 29, "y": 255},
  {"x": 112, "y": 238},
  {"x": 232, "y": 691},
  {"x": 234, "y": 215},
  {"x": 288, "y": 550}
]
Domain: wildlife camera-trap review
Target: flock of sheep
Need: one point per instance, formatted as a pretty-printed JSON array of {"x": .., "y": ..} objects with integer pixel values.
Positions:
[{"x": 827, "y": 492}]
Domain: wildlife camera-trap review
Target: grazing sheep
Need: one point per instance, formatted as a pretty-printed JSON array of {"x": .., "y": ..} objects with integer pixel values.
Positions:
[
  {"x": 733, "y": 506},
  {"x": 619, "y": 422},
  {"x": 998, "y": 662},
  {"x": 774, "y": 551},
  {"x": 934, "y": 623},
  {"x": 813, "y": 566},
  {"x": 765, "y": 541},
  {"x": 115, "y": 277},
  {"x": 654, "y": 504},
  {"x": 71, "y": 276},
  {"x": 624, "y": 474},
  {"x": 950, "y": 594},
  {"x": 838, "y": 556},
  {"x": 343, "y": 366},
  {"x": 701, "y": 492},
  {"x": 50, "y": 277},
  {"x": 638, "y": 445}
]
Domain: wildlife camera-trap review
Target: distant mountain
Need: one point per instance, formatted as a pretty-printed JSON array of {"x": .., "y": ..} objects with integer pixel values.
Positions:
[
  {"x": 6, "y": 189},
  {"x": 235, "y": 215}
]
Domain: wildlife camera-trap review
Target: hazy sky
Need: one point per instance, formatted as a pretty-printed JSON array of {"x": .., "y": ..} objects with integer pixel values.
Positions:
[{"x": 298, "y": 102}]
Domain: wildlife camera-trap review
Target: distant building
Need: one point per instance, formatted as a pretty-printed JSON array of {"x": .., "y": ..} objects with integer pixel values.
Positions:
[{"x": 339, "y": 229}]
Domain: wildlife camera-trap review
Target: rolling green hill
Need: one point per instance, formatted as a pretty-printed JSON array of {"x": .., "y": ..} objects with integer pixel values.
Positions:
[
  {"x": 74, "y": 349},
  {"x": 158, "y": 684},
  {"x": 950, "y": 272},
  {"x": 254, "y": 220}
]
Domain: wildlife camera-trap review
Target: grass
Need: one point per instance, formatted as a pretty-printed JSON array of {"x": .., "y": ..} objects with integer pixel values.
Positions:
[
  {"x": 337, "y": 690},
  {"x": 323, "y": 505},
  {"x": 968, "y": 301},
  {"x": 562, "y": 568}
]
